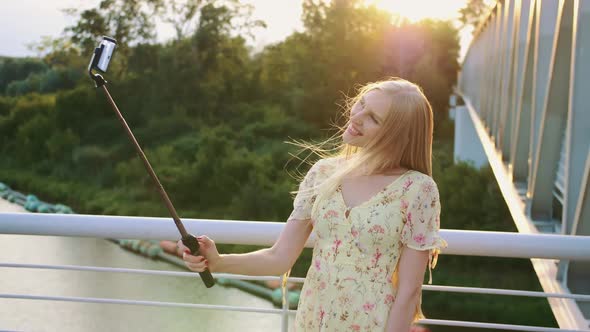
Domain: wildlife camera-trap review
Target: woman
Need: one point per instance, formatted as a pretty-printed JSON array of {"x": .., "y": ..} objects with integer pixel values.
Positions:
[{"x": 374, "y": 209}]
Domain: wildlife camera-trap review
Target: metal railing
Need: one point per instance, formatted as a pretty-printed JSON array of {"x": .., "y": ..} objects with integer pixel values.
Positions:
[
  {"x": 468, "y": 243},
  {"x": 525, "y": 81}
]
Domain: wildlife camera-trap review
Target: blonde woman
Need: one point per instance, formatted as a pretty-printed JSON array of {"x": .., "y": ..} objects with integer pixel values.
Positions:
[{"x": 374, "y": 209}]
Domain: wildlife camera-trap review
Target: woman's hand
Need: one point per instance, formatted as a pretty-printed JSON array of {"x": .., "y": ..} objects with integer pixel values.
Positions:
[{"x": 208, "y": 255}]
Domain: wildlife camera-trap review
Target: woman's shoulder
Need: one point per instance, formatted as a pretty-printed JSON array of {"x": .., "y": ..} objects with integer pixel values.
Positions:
[
  {"x": 420, "y": 182},
  {"x": 326, "y": 165},
  {"x": 419, "y": 176}
]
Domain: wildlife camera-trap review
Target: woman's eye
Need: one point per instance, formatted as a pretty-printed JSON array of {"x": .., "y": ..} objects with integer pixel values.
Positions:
[{"x": 374, "y": 119}]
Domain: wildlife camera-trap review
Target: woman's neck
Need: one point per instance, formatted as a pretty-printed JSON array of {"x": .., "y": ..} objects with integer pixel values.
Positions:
[{"x": 388, "y": 172}]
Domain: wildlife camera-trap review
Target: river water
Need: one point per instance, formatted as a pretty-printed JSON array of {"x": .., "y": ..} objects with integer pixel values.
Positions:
[{"x": 40, "y": 315}]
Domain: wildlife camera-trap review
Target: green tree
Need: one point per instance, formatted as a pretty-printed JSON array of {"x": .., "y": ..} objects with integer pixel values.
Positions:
[
  {"x": 31, "y": 137},
  {"x": 128, "y": 21},
  {"x": 184, "y": 16},
  {"x": 12, "y": 69},
  {"x": 61, "y": 144},
  {"x": 59, "y": 52},
  {"x": 473, "y": 12}
]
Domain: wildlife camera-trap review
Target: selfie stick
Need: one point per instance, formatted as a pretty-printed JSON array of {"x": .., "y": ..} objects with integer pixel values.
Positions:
[{"x": 100, "y": 61}]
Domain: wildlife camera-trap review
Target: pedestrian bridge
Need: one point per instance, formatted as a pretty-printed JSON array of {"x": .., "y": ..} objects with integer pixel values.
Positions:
[{"x": 525, "y": 110}]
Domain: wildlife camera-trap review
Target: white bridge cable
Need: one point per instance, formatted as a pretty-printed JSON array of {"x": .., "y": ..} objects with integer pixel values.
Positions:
[
  {"x": 481, "y": 325},
  {"x": 497, "y": 291},
  {"x": 143, "y": 303},
  {"x": 271, "y": 311},
  {"x": 140, "y": 271},
  {"x": 451, "y": 289}
]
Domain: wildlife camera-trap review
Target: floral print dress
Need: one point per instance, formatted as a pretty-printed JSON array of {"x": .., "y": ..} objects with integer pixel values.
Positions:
[{"x": 351, "y": 283}]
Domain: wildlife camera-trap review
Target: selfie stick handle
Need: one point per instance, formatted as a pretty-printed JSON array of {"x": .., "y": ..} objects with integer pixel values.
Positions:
[{"x": 187, "y": 239}]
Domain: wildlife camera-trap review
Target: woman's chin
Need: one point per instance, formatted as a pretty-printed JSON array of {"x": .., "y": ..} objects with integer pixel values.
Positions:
[{"x": 352, "y": 141}]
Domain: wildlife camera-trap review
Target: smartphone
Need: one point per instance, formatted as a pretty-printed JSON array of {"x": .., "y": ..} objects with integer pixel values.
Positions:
[{"x": 102, "y": 54}]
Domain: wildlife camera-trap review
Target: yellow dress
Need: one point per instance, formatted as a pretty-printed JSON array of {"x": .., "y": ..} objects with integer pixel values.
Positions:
[{"x": 351, "y": 283}]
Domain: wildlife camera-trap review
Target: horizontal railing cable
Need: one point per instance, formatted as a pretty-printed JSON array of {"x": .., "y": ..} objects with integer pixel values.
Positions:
[
  {"x": 497, "y": 291},
  {"x": 269, "y": 311},
  {"x": 452, "y": 289},
  {"x": 143, "y": 303},
  {"x": 482, "y": 325},
  {"x": 140, "y": 271}
]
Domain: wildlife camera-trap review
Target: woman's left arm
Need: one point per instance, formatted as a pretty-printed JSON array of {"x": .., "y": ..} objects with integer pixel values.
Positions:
[
  {"x": 421, "y": 245},
  {"x": 411, "y": 268}
]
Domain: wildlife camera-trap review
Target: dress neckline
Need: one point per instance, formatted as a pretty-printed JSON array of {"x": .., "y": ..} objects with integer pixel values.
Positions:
[{"x": 373, "y": 197}]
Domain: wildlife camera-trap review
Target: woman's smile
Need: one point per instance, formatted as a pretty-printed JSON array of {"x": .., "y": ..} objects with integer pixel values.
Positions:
[{"x": 353, "y": 131}]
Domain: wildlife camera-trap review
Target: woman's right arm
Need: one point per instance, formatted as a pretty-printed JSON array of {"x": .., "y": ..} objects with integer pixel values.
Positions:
[
  {"x": 271, "y": 261},
  {"x": 276, "y": 260}
]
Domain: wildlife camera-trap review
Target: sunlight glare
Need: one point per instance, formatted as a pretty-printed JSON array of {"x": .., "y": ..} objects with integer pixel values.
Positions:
[{"x": 416, "y": 10}]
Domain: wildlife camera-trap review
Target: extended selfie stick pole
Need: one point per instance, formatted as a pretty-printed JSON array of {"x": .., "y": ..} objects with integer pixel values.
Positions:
[{"x": 189, "y": 240}]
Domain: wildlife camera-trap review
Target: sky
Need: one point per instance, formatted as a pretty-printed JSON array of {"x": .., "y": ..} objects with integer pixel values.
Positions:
[{"x": 26, "y": 21}]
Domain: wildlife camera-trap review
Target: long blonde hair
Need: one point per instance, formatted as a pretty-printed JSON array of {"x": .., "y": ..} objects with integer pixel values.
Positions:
[{"x": 404, "y": 139}]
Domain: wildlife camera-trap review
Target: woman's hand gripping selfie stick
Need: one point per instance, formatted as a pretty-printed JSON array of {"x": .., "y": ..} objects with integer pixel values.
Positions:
[{"x": 100, "y": 61}]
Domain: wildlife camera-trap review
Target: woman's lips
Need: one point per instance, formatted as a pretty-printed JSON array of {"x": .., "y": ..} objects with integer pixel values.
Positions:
[{"x": 353, "y": 131}]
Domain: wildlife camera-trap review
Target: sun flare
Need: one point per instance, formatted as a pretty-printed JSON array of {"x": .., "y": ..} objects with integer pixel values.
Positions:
[{"x": 416, "y": 10}]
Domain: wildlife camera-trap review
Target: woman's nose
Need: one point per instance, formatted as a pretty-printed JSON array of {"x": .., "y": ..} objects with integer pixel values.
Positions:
[{"x": 356, "y": 118}]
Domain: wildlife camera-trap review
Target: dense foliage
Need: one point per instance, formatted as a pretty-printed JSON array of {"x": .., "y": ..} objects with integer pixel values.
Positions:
[{"x": 213, "y": 117}]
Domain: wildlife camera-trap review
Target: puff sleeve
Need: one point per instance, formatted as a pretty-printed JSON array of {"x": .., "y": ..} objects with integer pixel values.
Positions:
[
  {"x": 422, "y": 222},
  {"x": 303, "y": 202}
]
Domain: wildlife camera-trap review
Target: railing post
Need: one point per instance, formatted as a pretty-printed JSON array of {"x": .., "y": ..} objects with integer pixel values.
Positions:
[{"x": 285, "y": 314}]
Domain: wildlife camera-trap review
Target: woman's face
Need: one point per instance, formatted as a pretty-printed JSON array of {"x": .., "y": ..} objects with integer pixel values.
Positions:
[{"x": 366, "y": 118}]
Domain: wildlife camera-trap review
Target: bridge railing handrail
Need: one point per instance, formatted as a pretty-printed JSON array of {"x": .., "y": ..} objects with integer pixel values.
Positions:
[{"x": 468, "y": 243}]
